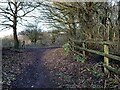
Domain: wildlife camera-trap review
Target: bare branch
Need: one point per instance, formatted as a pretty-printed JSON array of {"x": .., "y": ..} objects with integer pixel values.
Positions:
[
  {"x": 7, "y": 17},
  {"x": 9, "y": 3},
  {"x": 5, "y": 11},
  {"x": 7, "y": 25},
  {"x": 4, "y": 29}
]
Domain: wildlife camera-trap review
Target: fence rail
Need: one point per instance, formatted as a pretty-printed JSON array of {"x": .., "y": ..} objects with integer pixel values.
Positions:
[
  {"x": 99, "y": 53},
  {"x": 105, "y": 53}
]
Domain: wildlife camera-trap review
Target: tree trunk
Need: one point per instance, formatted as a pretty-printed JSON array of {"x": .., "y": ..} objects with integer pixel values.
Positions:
[
  {"x": 16, "y": 41},
  {"x": 119, "y": 25}
]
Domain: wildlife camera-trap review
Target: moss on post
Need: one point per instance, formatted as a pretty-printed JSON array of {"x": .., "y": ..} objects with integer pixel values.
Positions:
[{"x": 106, "y": 59}]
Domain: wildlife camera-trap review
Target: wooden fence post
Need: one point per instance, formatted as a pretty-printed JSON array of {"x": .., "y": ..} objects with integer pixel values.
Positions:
[
  {"x": 83, "y": 45},
  {"x": 106, "y": 60}
]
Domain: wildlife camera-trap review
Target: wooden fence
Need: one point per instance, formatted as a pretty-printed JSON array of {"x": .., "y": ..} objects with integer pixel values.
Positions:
[{"x": 105, "y": 52}]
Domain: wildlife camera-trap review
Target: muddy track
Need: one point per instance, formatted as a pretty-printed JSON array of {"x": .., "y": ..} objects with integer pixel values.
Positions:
[{"x": 35, "y": 75}]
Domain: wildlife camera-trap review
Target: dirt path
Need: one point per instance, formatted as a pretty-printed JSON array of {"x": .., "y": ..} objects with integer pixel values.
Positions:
[
  {"x": 51, "y": 68},
  {"x": 35, "y": 75}
]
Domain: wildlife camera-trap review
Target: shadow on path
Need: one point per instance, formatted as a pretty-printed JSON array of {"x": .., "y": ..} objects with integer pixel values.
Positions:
[{"x": 35, "y": 75}]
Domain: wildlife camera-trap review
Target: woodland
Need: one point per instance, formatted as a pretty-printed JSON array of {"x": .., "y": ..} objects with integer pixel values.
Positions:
[{"x": 81, "y": 49}]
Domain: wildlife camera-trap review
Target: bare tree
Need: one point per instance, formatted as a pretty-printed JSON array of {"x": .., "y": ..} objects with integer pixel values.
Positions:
[
  {"x": 14, "y": 11},
  {"x": 32, "y": 32}
]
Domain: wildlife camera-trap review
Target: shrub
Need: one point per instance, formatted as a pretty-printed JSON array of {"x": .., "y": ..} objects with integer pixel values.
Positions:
[
  {"x": 66, "y": 48},
  {"x": 79, "y": 58},
  {"x": 7, "y": 42}
]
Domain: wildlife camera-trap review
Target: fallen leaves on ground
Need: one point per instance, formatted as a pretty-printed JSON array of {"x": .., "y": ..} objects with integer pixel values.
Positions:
[
  {"x": 13, "y": 63},
  {"x": 68, "y": 73},
  {"x": 62, "y": 68}
]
